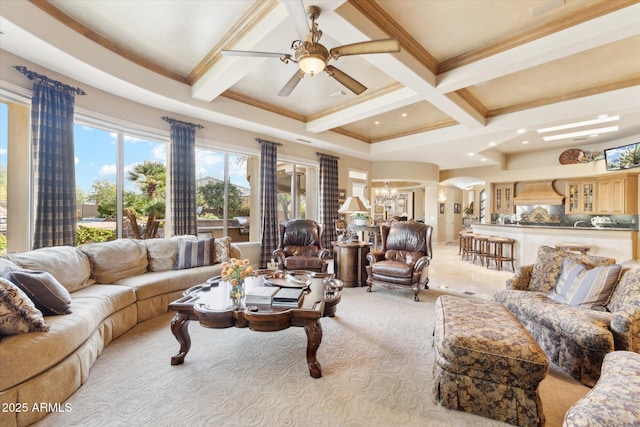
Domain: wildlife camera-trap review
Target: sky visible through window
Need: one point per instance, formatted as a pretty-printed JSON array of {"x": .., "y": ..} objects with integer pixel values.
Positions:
[{"x": 95, "y": 158}]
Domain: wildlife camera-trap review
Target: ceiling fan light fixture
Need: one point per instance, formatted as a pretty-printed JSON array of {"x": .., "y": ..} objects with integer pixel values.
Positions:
[{"x": 312, "y": 64}]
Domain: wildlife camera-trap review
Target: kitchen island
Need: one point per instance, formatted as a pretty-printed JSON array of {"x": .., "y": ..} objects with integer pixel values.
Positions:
[{"x": 618, "y": 243}]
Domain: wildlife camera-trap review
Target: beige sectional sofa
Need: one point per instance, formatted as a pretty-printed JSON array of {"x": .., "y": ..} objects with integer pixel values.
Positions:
[
  {"x": 113, "y": 286},
  {"x": 576, "y": 338}
]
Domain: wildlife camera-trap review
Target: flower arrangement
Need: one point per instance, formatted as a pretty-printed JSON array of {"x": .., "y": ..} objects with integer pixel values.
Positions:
[{"x": 235, "y": 272}]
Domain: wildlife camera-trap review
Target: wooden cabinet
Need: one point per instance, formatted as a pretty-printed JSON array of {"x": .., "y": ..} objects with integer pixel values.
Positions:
[
  {"x": 618, "y": 195},
  {"x": 503, "y": 198},
  {"x": 580, "y": 197},
  {"x": 612, "y": 195}
]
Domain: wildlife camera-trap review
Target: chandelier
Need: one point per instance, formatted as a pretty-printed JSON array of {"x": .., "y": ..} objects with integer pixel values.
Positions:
[{"x": 385, "y": 196}]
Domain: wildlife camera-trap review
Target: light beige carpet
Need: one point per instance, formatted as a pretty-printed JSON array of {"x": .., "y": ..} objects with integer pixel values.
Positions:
[{"x": 376, "y": 358}]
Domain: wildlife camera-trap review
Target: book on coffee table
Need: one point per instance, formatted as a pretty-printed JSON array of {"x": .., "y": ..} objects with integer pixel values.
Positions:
[
  {"x": 288, "y": 297},
  {"x": 261, "y": 294}
]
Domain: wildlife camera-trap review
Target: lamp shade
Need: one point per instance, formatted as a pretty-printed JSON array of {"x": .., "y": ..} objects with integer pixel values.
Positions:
[{"x": 353, "y": 205}]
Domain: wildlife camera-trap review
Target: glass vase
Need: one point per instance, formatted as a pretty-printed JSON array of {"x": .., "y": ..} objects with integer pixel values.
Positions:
[{"x": 237, "y": 293}]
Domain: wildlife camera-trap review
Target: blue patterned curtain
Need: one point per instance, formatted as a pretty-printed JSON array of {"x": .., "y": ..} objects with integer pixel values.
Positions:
[
  {"x": 269, "y": 199},
  {"x": 52, "y": 106},
  {"x": 182, "y": 166},
  {"x": 328, "y": 196}
]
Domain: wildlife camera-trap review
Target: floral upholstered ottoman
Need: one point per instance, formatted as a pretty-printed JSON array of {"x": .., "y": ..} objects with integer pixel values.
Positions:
[{"x": 486, "y": 362}]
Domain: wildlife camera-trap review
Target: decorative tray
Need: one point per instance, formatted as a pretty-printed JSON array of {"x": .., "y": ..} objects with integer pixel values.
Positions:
[{"x": 290, "y": 279}]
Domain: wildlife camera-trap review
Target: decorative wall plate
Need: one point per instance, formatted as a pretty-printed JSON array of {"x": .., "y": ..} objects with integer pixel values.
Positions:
[{"x": 571, "y": 156}]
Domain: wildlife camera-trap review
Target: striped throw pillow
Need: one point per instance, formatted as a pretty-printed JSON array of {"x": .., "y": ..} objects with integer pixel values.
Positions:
[
  {"x": 195, "y": 253},
  {"x": 581, "y": 287}
]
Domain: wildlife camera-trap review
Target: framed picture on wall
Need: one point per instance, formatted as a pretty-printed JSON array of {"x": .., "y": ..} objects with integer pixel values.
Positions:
[
  {"x": 378, "y": 209},
  {"x": 441, "y": 208},
  {"x": 342, "y": 194},
  {"x": 457, "y": 208}
]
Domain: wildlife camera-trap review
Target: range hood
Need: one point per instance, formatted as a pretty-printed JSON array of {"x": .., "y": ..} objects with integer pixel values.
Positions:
[{"x": 538, "y": 193}]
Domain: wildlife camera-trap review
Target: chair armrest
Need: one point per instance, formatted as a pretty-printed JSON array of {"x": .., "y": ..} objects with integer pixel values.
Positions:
[
  {"x": 324, "y": 253},
  {"x": 374, "y": 257},
  {"x": 625, "y": 326},
  {"x": 279, "y": 256},
  {"x": 520, "y": 281},
  {"x": 421, "y": 264}
]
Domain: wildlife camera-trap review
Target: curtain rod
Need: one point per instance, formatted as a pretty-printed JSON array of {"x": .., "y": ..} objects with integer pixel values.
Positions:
[
  {"x": 327, "y": 155},
  {"x": 260, "y": 141},
  {"x": 32, "y": 75},
  {"x": 181, "y": 123}
]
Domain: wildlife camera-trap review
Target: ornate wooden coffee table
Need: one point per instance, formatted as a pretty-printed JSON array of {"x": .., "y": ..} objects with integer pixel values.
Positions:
[{"x": 211, "y": 306}]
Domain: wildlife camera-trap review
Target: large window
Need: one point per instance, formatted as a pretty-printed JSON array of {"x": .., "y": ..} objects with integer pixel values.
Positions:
[
  {"x": 224, "y": 197},
  {"x": 120, "y": 185},
  {"x": 4, "y": 132}
]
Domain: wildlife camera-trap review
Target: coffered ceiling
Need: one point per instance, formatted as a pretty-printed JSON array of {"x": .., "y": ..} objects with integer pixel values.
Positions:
[{"x": 470, "y": 73}]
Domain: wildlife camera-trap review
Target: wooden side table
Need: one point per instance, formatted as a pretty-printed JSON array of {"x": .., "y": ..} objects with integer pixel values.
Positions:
[{"x": 350, "y": 262}]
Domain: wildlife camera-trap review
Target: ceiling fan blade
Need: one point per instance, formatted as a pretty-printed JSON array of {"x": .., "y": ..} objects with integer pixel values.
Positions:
[
  {"x": 254, "y": 54},
  {"x": 373, "y": 46},
  {"x": 298, "y": 16},
  {"x": 347, "y": 81},
  {"x": 291, "y": 84}
]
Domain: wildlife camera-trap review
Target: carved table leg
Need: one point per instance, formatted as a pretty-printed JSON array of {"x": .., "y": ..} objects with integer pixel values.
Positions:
[
  {"x": 180, "y": 330},
  {"x": 314, "y": 337}
]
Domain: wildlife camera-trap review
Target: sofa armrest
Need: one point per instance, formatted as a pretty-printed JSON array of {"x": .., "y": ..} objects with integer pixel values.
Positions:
[
  {"x": 625, "y": 326},
  {"x": 235, "y": 252},
  {"x": 520, "y": 281}
]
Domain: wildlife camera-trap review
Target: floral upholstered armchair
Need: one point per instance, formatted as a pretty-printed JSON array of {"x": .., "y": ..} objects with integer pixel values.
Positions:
[
  {"x": 300, "y": 246},
  {"x": 406, "y": 253}
]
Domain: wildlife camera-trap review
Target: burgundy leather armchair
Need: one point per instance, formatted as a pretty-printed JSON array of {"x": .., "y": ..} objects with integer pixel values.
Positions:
[
  {"x": 406, "y": 253},
  {"x": 300, "y": 246}
]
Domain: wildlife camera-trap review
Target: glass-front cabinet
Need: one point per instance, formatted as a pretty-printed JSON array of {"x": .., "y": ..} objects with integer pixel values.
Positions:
[
  {"x": 580, "y": 197},
  {"x": 503, "y": 198}
]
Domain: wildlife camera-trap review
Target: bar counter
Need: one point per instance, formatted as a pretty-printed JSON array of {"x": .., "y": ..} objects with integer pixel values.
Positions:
[{"x": 618, "y": 243}]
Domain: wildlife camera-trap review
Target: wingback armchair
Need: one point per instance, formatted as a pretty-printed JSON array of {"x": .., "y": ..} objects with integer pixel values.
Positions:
[
  {"x": 403, "y": 260},
  {"x": 300, "y": 246}
]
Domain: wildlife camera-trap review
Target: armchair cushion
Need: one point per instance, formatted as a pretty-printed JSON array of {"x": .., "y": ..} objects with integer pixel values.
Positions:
[{"x": 628, "y": 288}]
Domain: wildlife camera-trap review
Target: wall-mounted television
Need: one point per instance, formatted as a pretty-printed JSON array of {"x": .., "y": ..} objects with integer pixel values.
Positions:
[{"x": 623, "y": 157}]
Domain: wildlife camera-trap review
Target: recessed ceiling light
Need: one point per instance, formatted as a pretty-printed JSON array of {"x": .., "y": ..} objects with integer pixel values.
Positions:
[
  {"x": 471, "y": 154},
  {"x": 521, "y": 131},
  {"x": 492, "y": 144},
  {"x": 376, "y": 122},
  {"x": 525, "y": 142},
  {"x": 599, "y": 120},
  {"x": 483, "y": 159},
  {"x": 580, "y": 133},
  {"x": 404, "y": 114}
]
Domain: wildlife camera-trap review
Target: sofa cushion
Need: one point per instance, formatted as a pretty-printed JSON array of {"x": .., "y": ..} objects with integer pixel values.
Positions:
[
  {"x": 156, "y": 283},
  {"x": 548, "y": 266},
  {"x": 25, "y": 356},
  {"x": 588, "y": 328},
  {"x": 628, "y": 287},
  {"x": 195, "y": 253},
  {"x": 18, "y": 314},
  {"x": 69, "y": 265},
  {"x": 223, "y": 249},
  {"x": 162, "y": 253},
  {"x": 580, "y": 287},
  {"x": 48, "y": 295},
  {"x": 112, "y": 261}
]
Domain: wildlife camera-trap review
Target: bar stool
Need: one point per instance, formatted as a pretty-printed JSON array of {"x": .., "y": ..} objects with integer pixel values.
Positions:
[
  {"x": 481, "y": 248},
  {"x": 467, "y": 243},
  {"x": 460, "y": 234},
  {"x": 497, "y": 252},
  {"x": 577, "y": 247}
]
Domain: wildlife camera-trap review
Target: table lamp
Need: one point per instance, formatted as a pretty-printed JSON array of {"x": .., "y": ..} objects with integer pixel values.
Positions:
[{"x": 353, "y": 205}]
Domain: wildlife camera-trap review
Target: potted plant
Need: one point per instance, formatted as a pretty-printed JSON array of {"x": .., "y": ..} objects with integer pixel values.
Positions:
[{"x": 360, "y": 219}]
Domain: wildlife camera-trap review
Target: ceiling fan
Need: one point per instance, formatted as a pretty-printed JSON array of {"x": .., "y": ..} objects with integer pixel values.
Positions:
[{"x": 312, "y": 57}]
